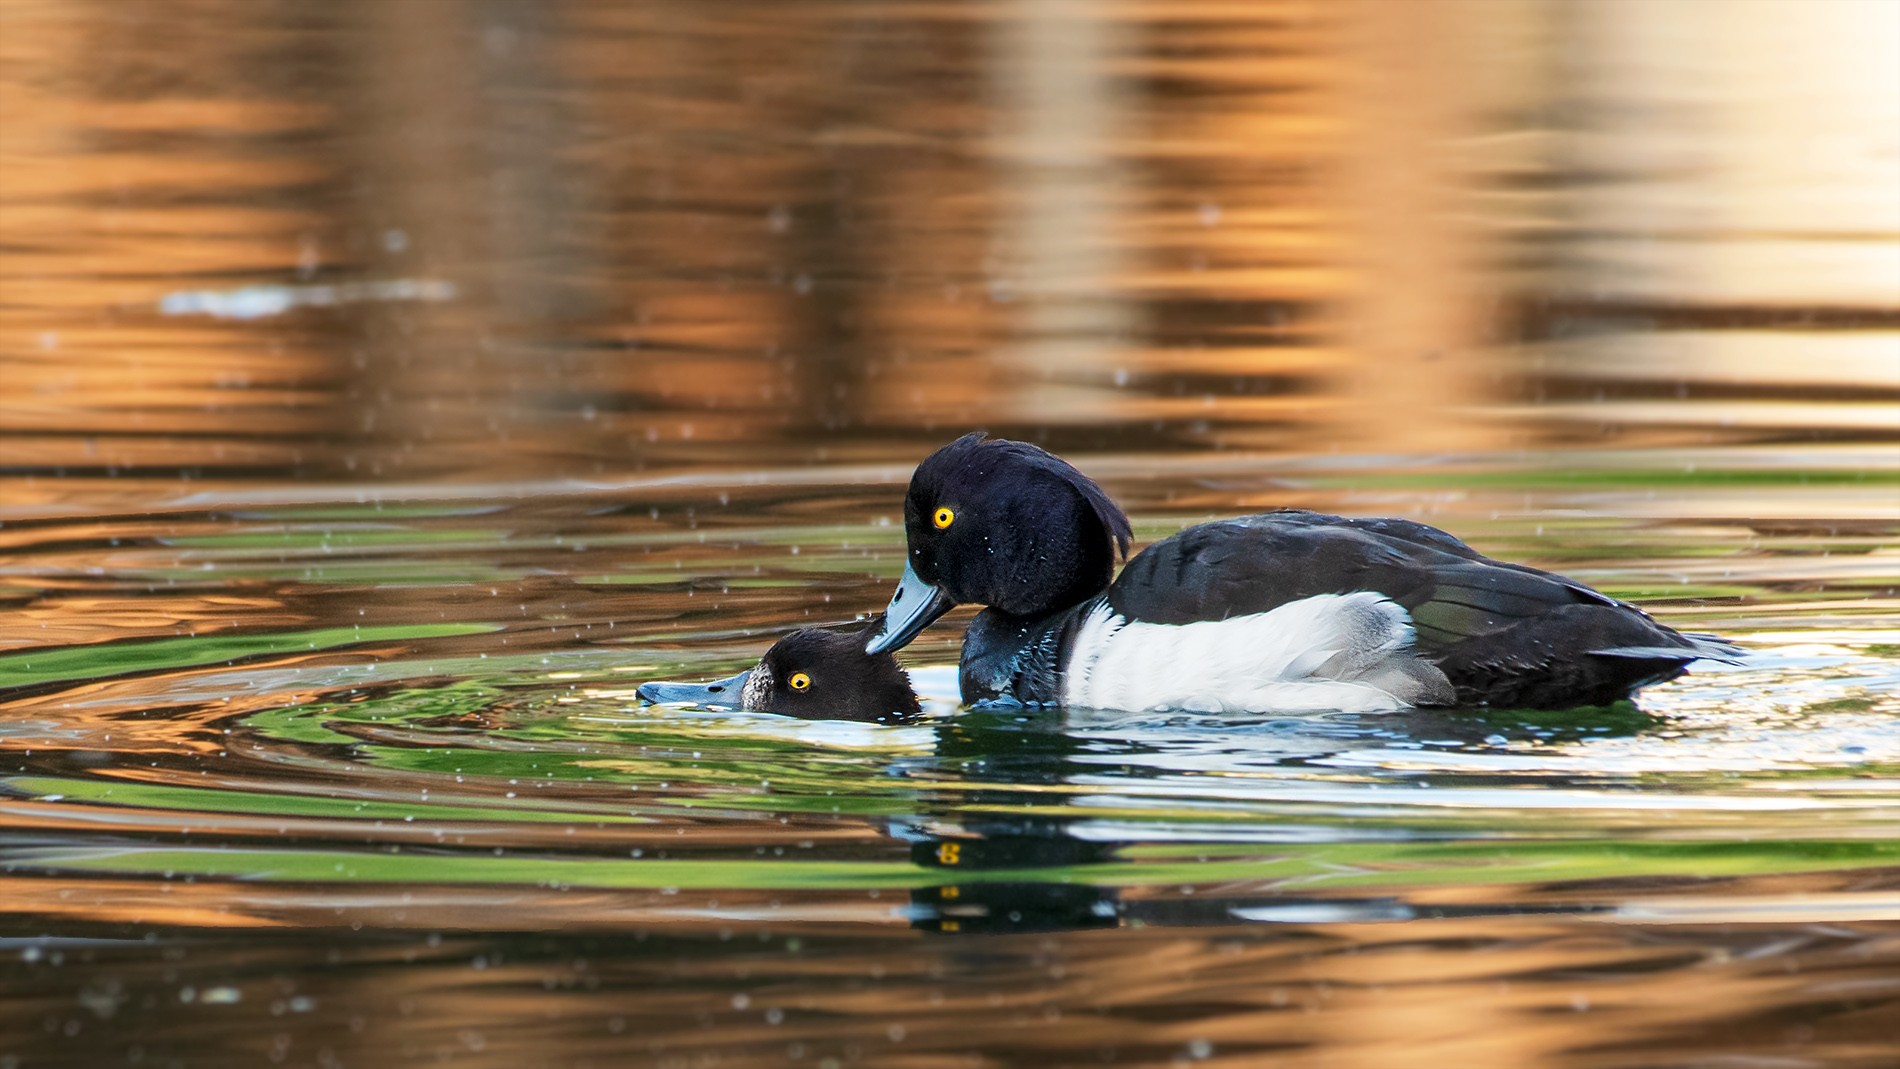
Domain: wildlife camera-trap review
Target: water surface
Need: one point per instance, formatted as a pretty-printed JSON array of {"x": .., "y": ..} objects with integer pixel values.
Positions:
[{"x": 387, "y": 390}]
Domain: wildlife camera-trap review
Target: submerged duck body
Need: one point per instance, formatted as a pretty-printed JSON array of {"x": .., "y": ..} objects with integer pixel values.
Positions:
[{"x": 1282, "y": 610}]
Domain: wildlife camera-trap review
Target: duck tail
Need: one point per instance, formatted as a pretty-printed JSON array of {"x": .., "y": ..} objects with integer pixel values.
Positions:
[{"x": 1695, "y": 647}]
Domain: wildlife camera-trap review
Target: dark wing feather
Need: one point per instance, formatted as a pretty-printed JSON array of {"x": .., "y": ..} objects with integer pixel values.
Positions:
[
  {"x": 1236, "y": 567},
  {"x": 1255, "y": 563},
  {"x": 1503, "y": 633}
]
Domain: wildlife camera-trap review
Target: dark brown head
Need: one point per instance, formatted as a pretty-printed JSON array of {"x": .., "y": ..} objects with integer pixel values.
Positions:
[{"x": 817, "y": 674}]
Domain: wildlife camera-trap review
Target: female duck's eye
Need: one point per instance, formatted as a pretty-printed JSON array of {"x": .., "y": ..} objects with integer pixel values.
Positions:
[
  {"x": 799, "y": 681},
  {"x": 944, "y": 518}
]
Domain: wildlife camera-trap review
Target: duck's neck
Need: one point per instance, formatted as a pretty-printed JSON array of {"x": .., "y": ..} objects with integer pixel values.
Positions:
[{"x": 1016, "y": 658}]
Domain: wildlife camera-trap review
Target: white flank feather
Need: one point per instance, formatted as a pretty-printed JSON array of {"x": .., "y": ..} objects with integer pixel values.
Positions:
[{"x": 1333, "y": 651}]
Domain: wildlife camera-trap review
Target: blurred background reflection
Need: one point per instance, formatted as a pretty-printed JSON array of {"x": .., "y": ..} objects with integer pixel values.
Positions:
[{"x": 416, "y": 240}]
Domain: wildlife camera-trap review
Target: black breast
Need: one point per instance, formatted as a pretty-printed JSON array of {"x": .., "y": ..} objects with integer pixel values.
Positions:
[{"x": 1009, "y": 659}]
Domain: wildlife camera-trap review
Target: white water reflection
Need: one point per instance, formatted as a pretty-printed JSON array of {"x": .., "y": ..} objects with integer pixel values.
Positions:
[
  {"x": 259, "y": 302},
  {"x": 884, "y": 741}
]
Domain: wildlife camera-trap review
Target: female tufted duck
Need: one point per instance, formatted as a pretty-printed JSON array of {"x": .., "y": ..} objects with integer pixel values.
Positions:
[{"x": 817, "y": 674}]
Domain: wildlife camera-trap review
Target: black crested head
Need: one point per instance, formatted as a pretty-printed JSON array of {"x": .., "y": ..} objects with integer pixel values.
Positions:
[
  {"x": 824, "y": 674},
  {"x": 1012, "y": 526}
]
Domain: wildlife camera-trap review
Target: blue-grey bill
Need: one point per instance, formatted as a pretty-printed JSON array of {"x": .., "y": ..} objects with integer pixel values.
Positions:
[
  {"x": 913, "y": 607},
  {"x": 724, "y": 692}
]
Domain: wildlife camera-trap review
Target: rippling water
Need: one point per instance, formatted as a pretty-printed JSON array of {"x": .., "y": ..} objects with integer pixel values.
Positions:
[{"x": 389, "y": 389}]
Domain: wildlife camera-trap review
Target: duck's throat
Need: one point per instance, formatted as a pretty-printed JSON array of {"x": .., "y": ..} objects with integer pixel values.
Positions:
[{"x": 1016, "y": 659}]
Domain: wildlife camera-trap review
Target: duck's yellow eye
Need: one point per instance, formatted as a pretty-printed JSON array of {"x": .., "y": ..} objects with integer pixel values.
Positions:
[
  {"x": 799, "y": 681},
  {"x": 944, "y": 518}
]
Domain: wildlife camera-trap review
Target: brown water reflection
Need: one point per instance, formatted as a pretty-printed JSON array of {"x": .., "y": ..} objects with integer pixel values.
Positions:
[
  {"x": 678, "y": 234},
  {"x": 716, "y": 981}
]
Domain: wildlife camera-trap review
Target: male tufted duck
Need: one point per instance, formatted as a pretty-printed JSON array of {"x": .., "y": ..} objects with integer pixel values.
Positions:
[
  {"x": 817, "y": 674},
  {"x": 1282, "y": 610}
]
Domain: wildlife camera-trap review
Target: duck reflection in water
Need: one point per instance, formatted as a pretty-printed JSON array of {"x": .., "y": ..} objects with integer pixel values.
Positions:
[{"x": 816, "y": 674}]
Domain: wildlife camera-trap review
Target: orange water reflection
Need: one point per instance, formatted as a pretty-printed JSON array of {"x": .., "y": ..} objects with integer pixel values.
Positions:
[
  {"x": 578, "y": 973},
  {"x": 1371, "y": 227}
]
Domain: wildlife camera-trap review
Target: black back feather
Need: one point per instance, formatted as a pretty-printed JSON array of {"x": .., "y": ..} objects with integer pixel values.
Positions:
[{"x": 1505, "y": 634}]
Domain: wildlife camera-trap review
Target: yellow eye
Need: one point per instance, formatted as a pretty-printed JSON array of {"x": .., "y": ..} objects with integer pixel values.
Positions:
[
  {"x": 799, "y": 681},
  {"x": 944, "y": 518}
]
